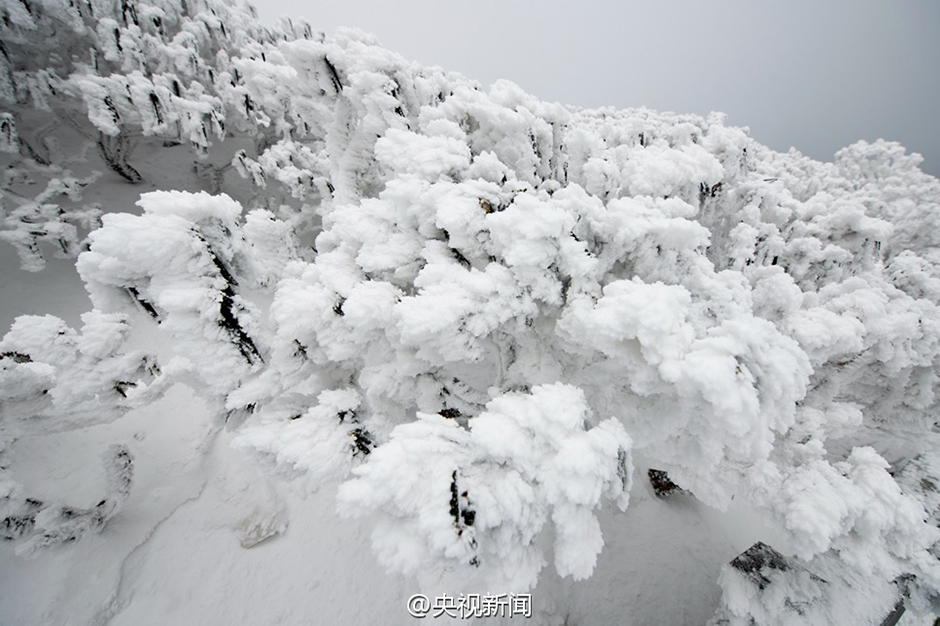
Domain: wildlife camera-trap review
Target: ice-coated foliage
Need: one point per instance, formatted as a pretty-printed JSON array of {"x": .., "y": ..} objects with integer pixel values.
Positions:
[
  {"x": 53, "y": 378},
  {"x": 54, "y": 217},
  {"x": 526, "y": 459},
  {"x": 159, "y": 73},
  {"x": 50, "y": 371},
  {"x": 176, "y": 262},
  {"x": 473, "y": 308},
  {"x": 43, "y": 525}
]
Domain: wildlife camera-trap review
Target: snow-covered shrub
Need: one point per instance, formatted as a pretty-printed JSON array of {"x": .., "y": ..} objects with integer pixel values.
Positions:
[
  {"x": 56, "y": 216},
  {"x": 120, "y": 74},
  {"x": 473, "y": 308},
  {"x": 526, "y": 459},
  {"x": 53, "y": 378},
  {"x": 44, "y": 525},
  {"x": 177, "y": 263},
  {"x": 50, "y": 371}
]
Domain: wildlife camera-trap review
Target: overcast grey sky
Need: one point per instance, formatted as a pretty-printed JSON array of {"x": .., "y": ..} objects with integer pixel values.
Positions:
[{"x": 817, "y": 75}]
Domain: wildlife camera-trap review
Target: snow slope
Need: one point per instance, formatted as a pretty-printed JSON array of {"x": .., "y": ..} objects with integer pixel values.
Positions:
[{"x": 366, "y": 329}]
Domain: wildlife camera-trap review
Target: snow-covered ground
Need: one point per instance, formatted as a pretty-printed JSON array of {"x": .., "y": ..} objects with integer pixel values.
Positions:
[{"x": 175, "y": 555}]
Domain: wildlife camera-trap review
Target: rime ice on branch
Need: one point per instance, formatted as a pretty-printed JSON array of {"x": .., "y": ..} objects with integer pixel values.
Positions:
[{"x": 492, "y": 301}]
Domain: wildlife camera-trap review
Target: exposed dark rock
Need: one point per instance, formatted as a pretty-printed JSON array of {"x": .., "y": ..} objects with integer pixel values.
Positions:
[
  {"x": 662, "y": 485},
  {"x": 755, "y": 560}
]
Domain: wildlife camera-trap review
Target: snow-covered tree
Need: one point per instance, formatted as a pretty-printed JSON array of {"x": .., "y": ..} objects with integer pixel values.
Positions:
[{"x": 474, "y": 309}]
